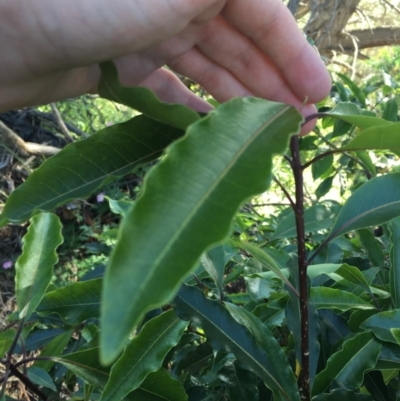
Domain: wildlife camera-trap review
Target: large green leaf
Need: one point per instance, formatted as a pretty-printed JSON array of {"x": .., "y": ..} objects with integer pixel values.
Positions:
[
  {"x": 75, "y": 303},
  {"x": 316, "y": 218},
  {"x": 227, "y": 335},
  {"x": 348, "y": 365},
  {"x": 324, "y": 297},
  {"x": 382, "y": 323},
  {"x": 372, "y": 246},
  {"x": 374, "y": 203},
  {"x": 144, "y": 354},
  {"x": 354, "y": 275},
  {"x": 158, "y": 386},
  {"x": 40, "y": 377},
  {"x": 379, "y": 137},
  {"x": 342, "y": 394},
  {"x": 394, "y": 272},
  {"x": 143, "y": 100},
  {"x": 35, "y": 266},
  {"x": 187, "y": 205},
  {"x": 87, "y": 165}
]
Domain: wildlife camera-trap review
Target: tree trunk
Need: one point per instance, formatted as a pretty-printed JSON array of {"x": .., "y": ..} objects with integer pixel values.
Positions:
[{"x": 327, "y": 22}]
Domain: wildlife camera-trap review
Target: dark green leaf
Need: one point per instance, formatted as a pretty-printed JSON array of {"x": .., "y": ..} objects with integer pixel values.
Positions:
[
  {"x": 158, "y": 386},
  {"x": 347, "y": 366},
  {"x": 391, "y": 110},
  {"x": 144, "y": 354},
  {"x": 382, "y": 323},
  {"x": 353, "y": 275},
  {"x": 143, "y": 100},
  {"x": 244, "y": 387},
  {"x": 226, "y": 334},
  {"x": 214, "y": 262},
  {"x": 374, "y": 383},
  {"x": 394, "y": 272},
  {"x": 84, "y": 166},
  {"x": 53, "y": 348},
  {"x": 341, "y": 394},
  {"x": 374, "y": 203},
  {"x": 35, "y": 266},
  {"x": 324, "y": 187},
  {"x": 373, "y": 247},
  {"x": 321, "y": 166},
  {"x": 41, "y": 378},
  {"x": 187, "y": 204},
  {"x": 75, "y": 303},
  {"x": 330, "y": 298}
]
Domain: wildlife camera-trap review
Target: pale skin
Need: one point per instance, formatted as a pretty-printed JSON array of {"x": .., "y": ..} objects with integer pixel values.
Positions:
[{"x": 51, "y": 50}]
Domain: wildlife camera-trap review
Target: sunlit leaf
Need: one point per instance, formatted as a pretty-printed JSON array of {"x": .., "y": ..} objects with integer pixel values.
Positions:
[
  {"x": 324, "y": 297},
  {"x": 35, "y": 266},
  {"x": 374, "y": 203},
  {"x": 187, "y": 204}
]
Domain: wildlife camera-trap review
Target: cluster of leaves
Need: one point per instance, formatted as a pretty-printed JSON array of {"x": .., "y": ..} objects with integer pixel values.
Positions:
[{"x": 188, "y": 309}]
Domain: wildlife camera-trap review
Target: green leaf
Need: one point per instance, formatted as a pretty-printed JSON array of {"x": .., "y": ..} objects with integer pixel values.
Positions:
[
  {"x": 84, "y": 166},
  {"x": 158, "y": 386},
  {"x": 342, "y": 394},
  {"x": 321, "y": 166},
  {"x": 382, "y": 323},
  {"x": 41, "y": 378},
  {"x": 353, "y": 114},
  {"x": 244, "y": 386},
  {"x": 214, "y": 262},
  {"x": 324, "y": 187},
  {"x": 379, "y": 137},
  {"x": 143, "y": 100},
  {"x": 316, "y": 218},
  {"x": 330, "y": 298},
  {"x": 366, "y": 159},
  {"x": 373, "y": 247},
  {"x": 394, "y": 271},
  {"x": 353, "y": 275},
  {"x": 35, "y": 266},
  {"x": 266, "y": 260},
  {"x": 347, "y": 366},
  {"x": 75, "y": 303},
  {"x": 187, "y": 204},
  {"x": 227, "y": 335},
  {"x": 375, "y": 202},
  {"x": 86, "y": 365},
  {"x": 121, "y": 207},
  {"x": 53, "y": 348},
  {"x": 358, "y": 93},
  {"x": 6, "y": 339},
  {"x": 144, "y": 354},
  {"x": 391, "y": 110}
]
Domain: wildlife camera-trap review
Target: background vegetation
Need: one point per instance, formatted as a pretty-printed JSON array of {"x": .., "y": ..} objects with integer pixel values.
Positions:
[{"x": 239, "y": 293}]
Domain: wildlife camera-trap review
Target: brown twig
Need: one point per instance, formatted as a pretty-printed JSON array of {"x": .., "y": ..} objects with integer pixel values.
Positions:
[{"x": 61, "y": 124}]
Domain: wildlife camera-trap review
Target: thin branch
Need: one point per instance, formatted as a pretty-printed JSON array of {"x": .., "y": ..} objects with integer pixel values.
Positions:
[
  {"x": 23, "y": 148},
  {"x": 285, "y": 192},
  {"x": 304, "y": 378},
  {"x": 60, "y": 122}
]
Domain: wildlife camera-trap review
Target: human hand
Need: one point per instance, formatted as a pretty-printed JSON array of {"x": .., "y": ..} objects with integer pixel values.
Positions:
[{"x": 51, "y": 50}]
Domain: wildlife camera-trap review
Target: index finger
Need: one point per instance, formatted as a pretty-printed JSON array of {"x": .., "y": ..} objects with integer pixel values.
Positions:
[{"x": 270, "y": 25}]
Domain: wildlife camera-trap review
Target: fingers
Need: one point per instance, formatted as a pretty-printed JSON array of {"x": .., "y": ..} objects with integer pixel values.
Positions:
[
  {"x": 168, "y": 87},
  {"x": 269, "y": 24}
]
